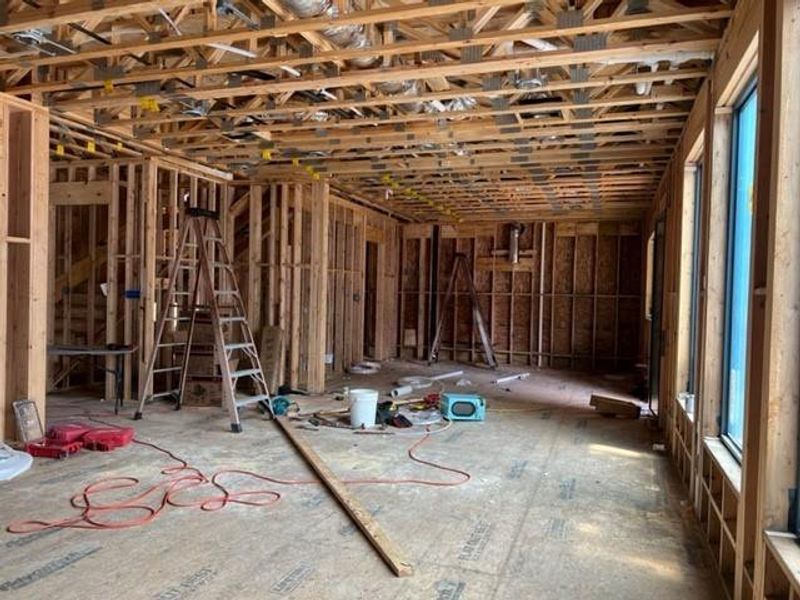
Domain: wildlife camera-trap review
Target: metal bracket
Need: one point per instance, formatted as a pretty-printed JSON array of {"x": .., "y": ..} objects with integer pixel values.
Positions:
[
  {"x": 146, "y": 88},
  {"x": 569, "y": 18},
  {"x": 459, "y": 34},
  {"x": 593, "y": 41},
  {"x": 472, "y": 54}
]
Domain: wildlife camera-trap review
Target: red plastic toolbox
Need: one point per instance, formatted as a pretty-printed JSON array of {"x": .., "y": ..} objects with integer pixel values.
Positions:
[
  {"x": 47, "y": 448},
  {"x": 68, "y": 432},
  {"x": 105, "y": 439}
]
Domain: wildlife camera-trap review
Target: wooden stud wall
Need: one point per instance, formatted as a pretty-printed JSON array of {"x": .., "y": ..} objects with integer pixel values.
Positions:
[
  {"x": 306, "y": 275},
  {"x": 23, "y": 257},
  {"x": 572, "y": 301},
  {"x": 129, "y": 212},
  {"x": 743, "y": 504}
]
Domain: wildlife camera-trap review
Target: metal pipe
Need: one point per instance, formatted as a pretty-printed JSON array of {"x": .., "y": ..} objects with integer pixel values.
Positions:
[{"x": 513, "y": 244}]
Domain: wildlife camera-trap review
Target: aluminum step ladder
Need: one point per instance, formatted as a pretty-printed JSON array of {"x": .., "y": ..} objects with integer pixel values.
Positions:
[
  {"x": 202, "y": 281},
  {"x": 460, "y": 265}
]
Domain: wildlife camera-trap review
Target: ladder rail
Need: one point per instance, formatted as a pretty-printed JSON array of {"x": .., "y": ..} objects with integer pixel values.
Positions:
[
  {"x": 460, "y": 264},
  {"x": 478, "y": 316},
  {"x": 151, "y": 361},
  {"x": 187, "y": 350},
  {"x": 433, "y": 353},
  {"x": 240, "y": 307},
  {"x": 228, "y": 395}
]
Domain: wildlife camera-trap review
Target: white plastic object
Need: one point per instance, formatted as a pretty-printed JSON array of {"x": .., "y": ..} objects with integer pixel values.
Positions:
[
  {"x": 13, "y": 462},
  {"x": 363, "y": 407},
  {"x": 449, "y": 375},
  {"x": 509, "y": 378},
  {"x": 403, "y": 390}
]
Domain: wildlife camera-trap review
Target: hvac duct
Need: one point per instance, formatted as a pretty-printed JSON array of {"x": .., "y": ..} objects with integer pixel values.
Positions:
[{"x": 516, "y": 230}]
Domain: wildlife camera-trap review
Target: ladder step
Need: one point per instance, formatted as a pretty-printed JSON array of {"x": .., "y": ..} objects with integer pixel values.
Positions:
[
  {"x": 245, "y": 373},
  {"x": 213, "y": 239},
  {"x": 171, "y": 344},
  {"x": 177, "y": 318},
  {"x": 232, "y": 319},
  {"x": 167, "y": 393},
  {"x": 222, "y": 265},
  {"x": 167, "y": 369},
  {"x": 239, "y": 346},
  {"x": 242, "y": 400}
]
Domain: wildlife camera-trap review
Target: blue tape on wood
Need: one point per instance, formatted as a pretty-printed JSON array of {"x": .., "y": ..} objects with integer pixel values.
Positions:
[{"x": 133, "y": 294}]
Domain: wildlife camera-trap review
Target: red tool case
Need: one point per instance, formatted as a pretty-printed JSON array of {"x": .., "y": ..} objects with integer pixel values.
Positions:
[
  {"x": 65, "y": 439},
  {"x": 48, "y": 448},
  {"x": 68, "y": 432},
  {"x": 105, "y": 439}
]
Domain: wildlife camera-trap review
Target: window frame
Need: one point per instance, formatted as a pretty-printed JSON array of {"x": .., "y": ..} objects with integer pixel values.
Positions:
[
  {"x": 744, "y": 97},
  {"x": 694, "y": 294}
]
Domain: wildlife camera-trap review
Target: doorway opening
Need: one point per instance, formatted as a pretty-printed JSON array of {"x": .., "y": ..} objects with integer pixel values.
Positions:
[{"x": 370, "y": 299}]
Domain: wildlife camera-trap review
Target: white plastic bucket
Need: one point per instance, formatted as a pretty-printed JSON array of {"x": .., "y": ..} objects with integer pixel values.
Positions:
[{"x": 363, "y": 407}]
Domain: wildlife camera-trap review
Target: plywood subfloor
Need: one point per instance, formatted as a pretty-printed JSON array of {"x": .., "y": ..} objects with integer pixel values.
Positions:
[{"x": 562, "y": 504}]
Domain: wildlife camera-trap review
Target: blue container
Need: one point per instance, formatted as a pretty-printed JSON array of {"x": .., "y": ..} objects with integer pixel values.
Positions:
[{"x": 463, "y": 407}]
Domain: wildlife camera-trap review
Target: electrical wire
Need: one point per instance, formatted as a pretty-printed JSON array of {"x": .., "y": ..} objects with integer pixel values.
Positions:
[{"x": 182, "y": 478}]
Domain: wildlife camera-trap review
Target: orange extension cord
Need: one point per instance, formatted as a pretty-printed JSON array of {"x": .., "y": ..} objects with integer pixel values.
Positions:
[{"x": 183, "y": 477}]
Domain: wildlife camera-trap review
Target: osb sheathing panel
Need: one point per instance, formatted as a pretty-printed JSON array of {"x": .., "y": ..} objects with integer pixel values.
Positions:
[{"x": 559, "y": 306}]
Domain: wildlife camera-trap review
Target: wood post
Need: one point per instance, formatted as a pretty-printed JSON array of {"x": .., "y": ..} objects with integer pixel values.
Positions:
[
  {"x": 320, "y": 204},
  {"x": 774, "y": 395},
  {"x": 112, "y": 282},
  {"x": 254, "y": 308},
  {"x": 24, "y": 224},
  {"x": 147, "y": 279}
]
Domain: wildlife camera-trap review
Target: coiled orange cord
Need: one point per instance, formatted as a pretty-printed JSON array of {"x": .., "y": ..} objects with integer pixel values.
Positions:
[{"x": 184, "y": 477}]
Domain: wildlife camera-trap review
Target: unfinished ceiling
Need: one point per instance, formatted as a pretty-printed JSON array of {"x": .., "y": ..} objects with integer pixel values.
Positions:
[{"x": 438, "y": 110}]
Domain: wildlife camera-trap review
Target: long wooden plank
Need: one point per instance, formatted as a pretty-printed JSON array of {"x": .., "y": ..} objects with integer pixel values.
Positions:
[{"x": 391, "y": 555}]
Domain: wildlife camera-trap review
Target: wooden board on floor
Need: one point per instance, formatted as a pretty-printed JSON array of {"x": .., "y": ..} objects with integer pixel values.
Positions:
[
  {"x": 606, "y": 405},
  {"x": 360, "y": 515}
]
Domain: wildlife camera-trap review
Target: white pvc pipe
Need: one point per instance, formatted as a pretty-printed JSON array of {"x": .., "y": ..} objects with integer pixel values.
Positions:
[
  {"x": 447, "y": 375},
  {"x": 508, "y": 378}
]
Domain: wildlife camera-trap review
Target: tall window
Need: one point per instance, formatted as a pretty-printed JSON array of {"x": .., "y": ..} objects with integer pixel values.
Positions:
[
  {"x": 737, "y": 301},
  {"x": 694, "y": 299}
]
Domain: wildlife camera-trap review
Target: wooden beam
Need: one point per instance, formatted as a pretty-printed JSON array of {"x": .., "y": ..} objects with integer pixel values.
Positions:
[
  {"x": 254, "y": 308},
  {"x": 112, "y": 277},
  {"x": 81, "y": 193},
  {"x": 776, "y": 393},
  {"x": 361, "y": 517},
  {"x": 318, "y": 298},
  {"x": 147, "y": 280},
  {"x": 82, "y": 10}
]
